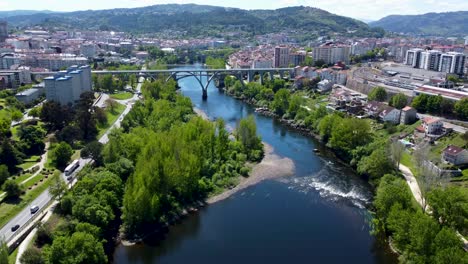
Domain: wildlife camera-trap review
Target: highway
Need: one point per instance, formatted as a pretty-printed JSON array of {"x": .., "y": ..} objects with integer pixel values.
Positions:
[{"x": 43, "y": 199}]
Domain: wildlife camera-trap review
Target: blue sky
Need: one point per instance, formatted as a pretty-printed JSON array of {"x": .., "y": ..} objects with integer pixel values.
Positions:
[{"x": 364, "y": 9}]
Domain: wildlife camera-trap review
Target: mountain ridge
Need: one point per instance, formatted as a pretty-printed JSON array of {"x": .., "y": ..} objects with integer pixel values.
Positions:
[
  {"x": 433, "y": 23},
  {"x": 199, "y": 20}
]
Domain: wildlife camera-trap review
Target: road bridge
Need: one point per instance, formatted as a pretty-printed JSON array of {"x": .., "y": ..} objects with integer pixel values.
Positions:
[{"x": 203, "y": 76}]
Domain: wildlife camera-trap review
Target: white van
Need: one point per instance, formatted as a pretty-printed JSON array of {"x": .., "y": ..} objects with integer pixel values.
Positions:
[{"x": 34, "y": 209}]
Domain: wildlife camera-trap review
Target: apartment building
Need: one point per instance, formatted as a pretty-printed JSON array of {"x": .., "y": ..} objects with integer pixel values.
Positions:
[{"x": 66, "y": 86}]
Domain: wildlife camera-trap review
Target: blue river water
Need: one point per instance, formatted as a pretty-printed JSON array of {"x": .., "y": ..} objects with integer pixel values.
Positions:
[{"x": 318, "y": 215}]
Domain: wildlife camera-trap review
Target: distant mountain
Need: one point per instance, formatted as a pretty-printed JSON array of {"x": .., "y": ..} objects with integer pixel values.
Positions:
[
  {"x": 201, "y": 20},
  {"x": 436, "y": 24},
  {"x": 367, "y": 21},
  {"x": 4, "y": 14}
]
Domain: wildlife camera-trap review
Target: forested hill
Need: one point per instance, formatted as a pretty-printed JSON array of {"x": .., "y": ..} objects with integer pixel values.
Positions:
[
  {"x": 202, "y": 20},
  {"x": 436, "y": 24}
]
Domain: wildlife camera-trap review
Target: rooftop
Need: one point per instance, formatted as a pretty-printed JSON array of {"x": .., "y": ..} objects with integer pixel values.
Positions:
[{"x": 453, "y": 150}]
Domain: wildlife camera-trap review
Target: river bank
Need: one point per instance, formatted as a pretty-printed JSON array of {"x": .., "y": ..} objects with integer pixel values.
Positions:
[{"x": 272, "y": 166}]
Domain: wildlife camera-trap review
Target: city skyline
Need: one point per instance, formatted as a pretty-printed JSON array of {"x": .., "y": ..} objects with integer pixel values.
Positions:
[{"x": 360, "y": 9}]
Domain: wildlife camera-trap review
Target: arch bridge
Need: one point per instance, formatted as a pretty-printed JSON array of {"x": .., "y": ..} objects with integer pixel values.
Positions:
[{"x": 203, "y": 76}]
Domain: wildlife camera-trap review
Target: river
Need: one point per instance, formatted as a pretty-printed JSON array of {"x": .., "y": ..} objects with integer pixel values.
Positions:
[{"x": 316, "y": 216}]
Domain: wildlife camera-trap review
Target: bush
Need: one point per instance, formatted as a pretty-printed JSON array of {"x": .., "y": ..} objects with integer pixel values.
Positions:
[{"x": 244, "y": 171}]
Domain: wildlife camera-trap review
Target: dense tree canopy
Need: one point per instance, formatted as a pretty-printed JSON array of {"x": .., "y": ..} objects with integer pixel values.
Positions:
[
  {"x": 378, "y": 94},
  {"x": 399, "y": 101}
]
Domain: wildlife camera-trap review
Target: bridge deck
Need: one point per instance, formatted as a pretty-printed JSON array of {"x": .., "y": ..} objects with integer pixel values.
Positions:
[{"x": 172, "y": 71}]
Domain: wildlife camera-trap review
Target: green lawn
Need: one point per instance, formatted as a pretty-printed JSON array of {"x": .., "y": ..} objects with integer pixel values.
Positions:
[
  {"x": 453, "y": 139},
  {"x": 28, "y": 163},
  {"x": 12, "y": 256},
  {"x": 9, "y": 210},
  {"x": 111, "y": 118},
  {"x": 407, "y": 160},
  {"x": 121, "y": 96}
]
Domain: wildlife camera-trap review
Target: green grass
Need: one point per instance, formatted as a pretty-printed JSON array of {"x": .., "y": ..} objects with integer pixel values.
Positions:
[
  {"x": 407, "y": 160},
  {"x": 121, "y": 96},
  {"x": 28, "y": 163},
  {"x": 76, "y": 155},
  {"x": 12, "y": 256},
  {"x": 8, "y": 210},
  {"x": 452, "y": 139},
  {"x": 111, "y": 118}
]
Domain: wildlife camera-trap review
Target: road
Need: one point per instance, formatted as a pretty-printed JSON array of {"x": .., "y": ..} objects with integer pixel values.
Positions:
[{"x": 43, "y": 199}]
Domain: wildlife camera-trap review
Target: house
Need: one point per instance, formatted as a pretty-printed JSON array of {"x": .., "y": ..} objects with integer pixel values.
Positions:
[
  {"x": 390, "y": 114},
  {"x": 324, "y": 86},
  {"x": 408, "y": 115},
  {"x": 28, "y": 96},
  {"x": 373, "y": 108},
  {"x": 432, "y": 125},
  {"x": 455, "y": 155}
]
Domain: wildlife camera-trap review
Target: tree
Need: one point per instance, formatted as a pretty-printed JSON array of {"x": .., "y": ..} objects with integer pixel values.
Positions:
[
  {"x": 69, "y": 134},
  {"x": 281, "y": 102},
  {"x": 399, "y": 101},
  {"x": 85, "y": 118},
  {"x": 16, "y": 115},
  {"x": 448, "y": 248},
  {"x": 375, "y": 165},
  {"x": 4, "y": 252},
  {"x": 453, "y": 79},
  {"x": 396, "y": 151},
  {"x": 58, "y": 188},
  {"x": 62, "y": 154},
  {"x": 12, "y": 189},
  {"x": 349, "y": 134},
  {"x": 391, "y": 191},
  {"x": 449, "y": 205},
  {"x": 461, "y": 108},
  {"x": 327, "y": 124},
  {"x": 43, "y": 235},
  {"x": 35, "y": 112},
  {"x": 5, "y": 125},
  {"x": 422, "y": 232},
  {"x": 246, "y": 133},
  {"x": 33, "y": 139},
  {"x": 420, "y": 102},
  {"x": 101, "y": 116},
  {"x": 55, "y": 115},
  {"x": 93, "y": 150},
  {"x": 320, "y": 63},
  {"x": 4, "y": 174},
  {"x": 378, "y": 94},
  {"x": 81, "y": 247},
  {"x": 106, "y": 83},
  {"x": 32, "y": 255},
  {"x": 112, "y": 105},
  {"x": 9, "y": 156}
]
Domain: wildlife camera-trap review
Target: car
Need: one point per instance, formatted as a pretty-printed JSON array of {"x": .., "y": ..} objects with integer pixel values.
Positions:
[
  {"x": 34, "y": 209},
  {"x": 14, "y": 228}
]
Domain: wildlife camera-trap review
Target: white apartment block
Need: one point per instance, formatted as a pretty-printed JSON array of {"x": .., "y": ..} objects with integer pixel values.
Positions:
[
  {"x": 413, "y": 57},
  {"x": 332, "y": 53},
  {"x": 430, "y": 60},
  {"x": 452, "y": 62},
  {"x": 67, "y": 86}
]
